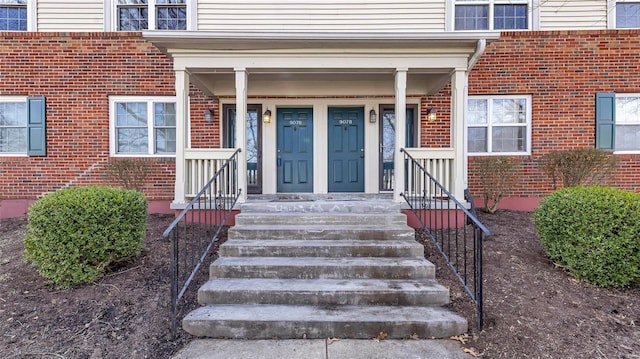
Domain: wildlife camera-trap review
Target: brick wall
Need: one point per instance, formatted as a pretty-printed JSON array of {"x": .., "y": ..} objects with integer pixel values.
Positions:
[
  {"x": 562, "y": 71},
  {"x": 77, "y": 72}
]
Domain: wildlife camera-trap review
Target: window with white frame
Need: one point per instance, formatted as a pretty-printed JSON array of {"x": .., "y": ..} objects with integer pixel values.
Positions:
[
  {"x": 143, "y": 126},
  {"x": 13, "y": 125},
  {"x": 627, "y": 122},
  {"x": 627, "y": 14},
  {"x": 498, "y": 124},
  {"x": 492, "y": 14},
  {"x": 13, "y": 15},
  {"x": 138, "y": 15}
]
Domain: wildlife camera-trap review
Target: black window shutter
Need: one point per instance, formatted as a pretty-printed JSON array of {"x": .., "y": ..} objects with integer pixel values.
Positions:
[
  {"x": 36, "y": 126},
  {"x": 605, "y": 120}
]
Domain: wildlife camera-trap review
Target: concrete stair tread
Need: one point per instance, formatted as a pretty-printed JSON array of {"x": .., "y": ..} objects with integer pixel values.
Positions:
[
  {"x": 320, "y": 218},
  {"x": 322, "y": 261},
  {"x": 321, "y": 227},
  {"x": 262, "y": 321},
  {"x": 321, "y": 284},
  {"x": 321, "y": 248}
]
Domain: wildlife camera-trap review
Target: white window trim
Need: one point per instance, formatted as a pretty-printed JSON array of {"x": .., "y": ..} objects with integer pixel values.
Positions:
[
  {"x": 615, "y": 124},
  {"x": 611, "y": 13},
  {"x": 150, "y": 127},
  {"x": 32, "y": 13},
  {"x": 533, "y": 20},
  {"x": 528, "y": 125},
  {"x": 15, "y": 99},
  {"x": 111, "y": 15}
]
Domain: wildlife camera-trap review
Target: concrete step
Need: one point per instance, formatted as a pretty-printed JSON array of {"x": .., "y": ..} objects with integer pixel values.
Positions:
[
  {"x": 296, "y": 218},
  {"x": 317, "y": 231},
  {"x": 322, "y": 267},
  {"x": 322, "y": 206},
  {"x": 313, "y": 322},
  {"x": 323, "y": 292},
  {"x": 320, "y": 248}
]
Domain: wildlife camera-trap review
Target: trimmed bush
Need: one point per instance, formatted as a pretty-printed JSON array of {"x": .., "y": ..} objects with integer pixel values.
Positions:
[
  {"x": 498, "y": 176},
  {"x": 593, "y": 232},
  {"x": 580, "y": 166},
  {"x": 75, "y": 234}
]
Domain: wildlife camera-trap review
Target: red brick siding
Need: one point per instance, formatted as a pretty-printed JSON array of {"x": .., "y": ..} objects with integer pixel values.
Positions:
[
  {"x": 562, "y": 71},
  {"x": 77, "y": 72}
]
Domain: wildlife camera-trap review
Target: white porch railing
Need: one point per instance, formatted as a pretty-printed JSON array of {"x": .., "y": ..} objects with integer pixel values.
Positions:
[
  {"x": 200, "y": 166},
  {"x": 439, "y": 162}
]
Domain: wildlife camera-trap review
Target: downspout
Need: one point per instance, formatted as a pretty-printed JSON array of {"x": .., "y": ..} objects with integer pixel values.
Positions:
[{"x": 480, "y": 47}]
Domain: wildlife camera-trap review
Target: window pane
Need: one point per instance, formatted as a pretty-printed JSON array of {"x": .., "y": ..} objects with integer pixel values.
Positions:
[
  {"x": 13, "y": 114},
  {"x": 252, "y": 136},
  {"x": 472, "y": 17},
  {"x": 627, "y": 138},
  {"x": 133, "y": 18},
  {"x": 165, "y": 140},
  {"x": 131, "y": 114},
  {"x": 13, "y": 18},
  {"x": 132, "y": 140},
  {"x": 510, "y": 17},
  {"x": 132, "y": 2},
  {"x": 509, "y": 111},
  {"x": 627, "y": 110},
  {"x": 171, "y": 1},
  {"x": 164, "y": 114},
  {"x": 13, "y": 140},
  {"x": 508, "y": 139},
  {"x": 172, "y": 18},
  {"x": 477, "y": 112},
  {"x": 628, "y": 15},
  {"x": 477, "y": 141}
]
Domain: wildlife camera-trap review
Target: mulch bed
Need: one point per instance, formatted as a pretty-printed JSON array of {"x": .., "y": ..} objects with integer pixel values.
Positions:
[{"x": 532, "y": 308}]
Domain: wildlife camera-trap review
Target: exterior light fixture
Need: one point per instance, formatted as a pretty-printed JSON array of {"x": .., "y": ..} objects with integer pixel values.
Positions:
[
  {"x": 208, "y": 115},
  {"x": 266, "y": 116},
  {"x": 373, "y": 116},
  {"x": 431, "y": 114}
]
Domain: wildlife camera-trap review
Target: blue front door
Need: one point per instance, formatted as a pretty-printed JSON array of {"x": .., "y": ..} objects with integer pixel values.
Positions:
[
  {"x": 295, "y": 150},
  {"x": 346, "y": 149}
]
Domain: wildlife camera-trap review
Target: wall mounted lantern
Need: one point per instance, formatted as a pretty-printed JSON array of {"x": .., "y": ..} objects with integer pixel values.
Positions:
[
  {"x": 373, "y": 116},
  {"x": 208, "y": 115},
  {"x": 431, "y": 114},
  {"x": 266, "y": 116}
]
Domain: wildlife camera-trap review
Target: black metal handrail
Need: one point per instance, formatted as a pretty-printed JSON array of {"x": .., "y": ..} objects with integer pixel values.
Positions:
[
  {"x": 454, "y": 229},
  {"x": 196, "y": 229}
]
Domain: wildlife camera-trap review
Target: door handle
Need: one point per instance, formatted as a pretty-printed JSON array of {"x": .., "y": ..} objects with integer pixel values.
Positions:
[{"x": 362, "y": 153}]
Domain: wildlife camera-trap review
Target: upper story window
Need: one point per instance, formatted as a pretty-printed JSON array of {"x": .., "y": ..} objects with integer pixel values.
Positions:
[
  {"x": 627, "y": 14},
  {"x": 143, "y": 126},
  {"x": 139, "y": 15},
  {"x": 13, "y": 15},
  {"x": 492, "y": 14},
  {"x": 499, "y": 124}
]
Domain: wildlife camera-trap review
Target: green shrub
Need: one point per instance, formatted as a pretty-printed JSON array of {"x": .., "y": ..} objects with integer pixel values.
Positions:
[
  {"x": 593, "y": 232},
  {"x": 498, "y": 175},
  {"x": 74, "y": 234},
  {"x": 581, "y": 166}
]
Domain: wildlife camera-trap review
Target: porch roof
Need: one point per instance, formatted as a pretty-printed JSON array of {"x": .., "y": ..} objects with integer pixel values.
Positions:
[{"x": 319, "y": 63}]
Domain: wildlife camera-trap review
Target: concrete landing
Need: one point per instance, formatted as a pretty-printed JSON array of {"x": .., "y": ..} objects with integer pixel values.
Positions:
[{"x": 322, "y": 349}]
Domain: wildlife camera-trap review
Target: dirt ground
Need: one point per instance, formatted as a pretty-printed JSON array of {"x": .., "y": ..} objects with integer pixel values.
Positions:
[{"x": 532, "y": 309}]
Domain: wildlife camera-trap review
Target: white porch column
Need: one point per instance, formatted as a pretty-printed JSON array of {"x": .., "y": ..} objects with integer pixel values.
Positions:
[
  {"x": 182, "y": 121},
  {"x": 241, "y": 129},
  {"x": 458, "y": 97},
  {"x": 401, "y": 124}
]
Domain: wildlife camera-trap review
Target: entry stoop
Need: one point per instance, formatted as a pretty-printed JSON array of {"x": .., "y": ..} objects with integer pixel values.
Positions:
[{"x": 322, "y": 268}]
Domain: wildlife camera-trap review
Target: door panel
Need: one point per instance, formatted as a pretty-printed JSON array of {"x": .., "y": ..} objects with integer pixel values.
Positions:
[
  {"x": 346, "y": 149},
  {"x": 295, "y": 150}
]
